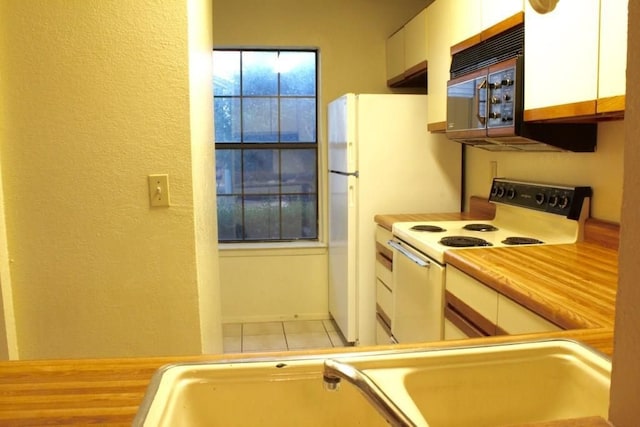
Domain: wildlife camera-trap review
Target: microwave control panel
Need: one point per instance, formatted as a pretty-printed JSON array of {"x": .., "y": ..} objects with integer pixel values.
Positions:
[{"x": 501, "y": 98}]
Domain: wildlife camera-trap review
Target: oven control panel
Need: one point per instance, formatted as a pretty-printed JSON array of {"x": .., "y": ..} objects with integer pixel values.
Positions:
[{"x": 556, "y": 199}]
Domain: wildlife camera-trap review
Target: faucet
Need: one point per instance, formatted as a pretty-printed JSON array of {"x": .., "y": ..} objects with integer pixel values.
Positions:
[{"x": 335, "y": 371}]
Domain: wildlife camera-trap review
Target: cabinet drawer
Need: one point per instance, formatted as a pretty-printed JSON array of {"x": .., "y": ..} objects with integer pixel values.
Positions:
[
  {"x": 384, "y": 299},
  {"x": 384, "y": 274},
  {"x": 383, "y": 333},
  {"x": 476, "y": 295},
  {"x": 513, "y": 318},
  {"x": 383, "y": 236},
  {"x": 452, "y": 332}
]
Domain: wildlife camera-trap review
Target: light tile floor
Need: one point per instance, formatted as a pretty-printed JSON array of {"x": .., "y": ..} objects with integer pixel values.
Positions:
[{"x": 279, "y": 336}]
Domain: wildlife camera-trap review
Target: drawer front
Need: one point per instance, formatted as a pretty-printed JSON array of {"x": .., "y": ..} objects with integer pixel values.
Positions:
[
  {"x": 383, "y": 333},
  {"x": 384, "y": 273},
  {"x": 513, "y": 318},
  {"x": 384, "y": 299},
  {"x": 452, "y": 332},
  {"x": 476, "y": 295},
  {"x": 383, "y": 236}
]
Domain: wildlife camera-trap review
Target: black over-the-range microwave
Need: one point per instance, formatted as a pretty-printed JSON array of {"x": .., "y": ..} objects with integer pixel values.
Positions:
[{"x": 485, "y": 102}]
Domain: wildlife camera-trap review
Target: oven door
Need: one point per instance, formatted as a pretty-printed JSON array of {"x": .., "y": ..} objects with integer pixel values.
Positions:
[
  {"x": 467, "y": 105},
  {"x": 418, "y": 295}
]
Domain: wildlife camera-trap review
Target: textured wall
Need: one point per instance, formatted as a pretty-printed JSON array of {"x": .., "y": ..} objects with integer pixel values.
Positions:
[
  {"x": 96, "y": 96},
  {"x": 625, "y": 386}
]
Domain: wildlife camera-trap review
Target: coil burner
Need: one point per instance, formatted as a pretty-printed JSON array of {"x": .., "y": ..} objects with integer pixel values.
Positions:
[
  {"x": 428, "y": 227},
  {"x": 463, "y": 241},
  {"x": 521, "y": 241},
  {"x": 480, "y": 227}
]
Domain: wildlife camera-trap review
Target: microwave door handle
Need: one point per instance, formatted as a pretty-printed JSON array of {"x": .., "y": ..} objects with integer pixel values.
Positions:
[{"x": 481, "y": 86}]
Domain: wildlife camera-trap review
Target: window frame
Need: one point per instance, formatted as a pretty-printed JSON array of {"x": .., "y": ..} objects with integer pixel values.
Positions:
[{"x": 278, "y": 145}]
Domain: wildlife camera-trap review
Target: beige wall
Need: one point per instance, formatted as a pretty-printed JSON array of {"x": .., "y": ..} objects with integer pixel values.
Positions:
[
  {"x": 601, "y": 170},
  {"x": 96, "y": 95},
  {"x": 351, "y": 35},
  {"x": 625, "y": 382}
]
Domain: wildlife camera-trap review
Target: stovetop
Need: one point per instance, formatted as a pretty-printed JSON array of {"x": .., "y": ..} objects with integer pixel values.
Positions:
[{"x": 526, "y": 213}]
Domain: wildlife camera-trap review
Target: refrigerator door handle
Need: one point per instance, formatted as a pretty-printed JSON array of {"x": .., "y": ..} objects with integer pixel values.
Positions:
[
  {"x": 416, "y": 258},
  {"x": 356, "y": 173}
]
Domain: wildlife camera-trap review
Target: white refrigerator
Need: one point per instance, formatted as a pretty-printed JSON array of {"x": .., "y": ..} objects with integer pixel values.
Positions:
[{"x": 382, "y": 160}]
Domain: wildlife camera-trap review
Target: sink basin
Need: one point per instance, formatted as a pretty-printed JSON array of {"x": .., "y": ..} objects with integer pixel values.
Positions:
[
  {"x": 480, "y": 386},
  {"x": 501, "y": 385},
  {"x": 250, "y": 393}
]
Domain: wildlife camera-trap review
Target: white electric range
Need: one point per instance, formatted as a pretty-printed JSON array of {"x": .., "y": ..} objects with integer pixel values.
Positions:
[{"x": 526, "y": 214}]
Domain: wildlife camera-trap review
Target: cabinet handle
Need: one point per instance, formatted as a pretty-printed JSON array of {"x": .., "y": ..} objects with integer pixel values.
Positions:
[
  {"x": 413, "y": 256},
  {"x": 481, "y": 86}
]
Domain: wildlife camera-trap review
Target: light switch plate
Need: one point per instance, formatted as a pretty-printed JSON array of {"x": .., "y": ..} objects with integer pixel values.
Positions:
[{"x": 159, "y": 190}]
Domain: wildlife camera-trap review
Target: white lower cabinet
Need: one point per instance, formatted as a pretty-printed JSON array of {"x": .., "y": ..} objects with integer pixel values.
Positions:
[
  {"x": 384, "y": 286},
  {"x": 513, "y": 318},
  {"x": 474, "y": 309}
]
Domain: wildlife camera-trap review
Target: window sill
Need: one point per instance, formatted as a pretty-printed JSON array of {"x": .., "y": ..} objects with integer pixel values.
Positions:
[{"x": 271, "y": 249}]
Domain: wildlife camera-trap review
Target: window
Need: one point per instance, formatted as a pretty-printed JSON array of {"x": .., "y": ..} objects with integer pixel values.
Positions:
[{"x": 265, "y": 104}]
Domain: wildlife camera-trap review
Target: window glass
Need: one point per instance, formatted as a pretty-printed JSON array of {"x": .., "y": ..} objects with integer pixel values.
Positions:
[
  {"x": 298, "y": 73},
  {"x": 259, "y": 73},
  {"x": 227, "y": 119},
  {"x": 265, "y": 115},
  {"x": 297, "y": 119},
  {"x": 260, "y": 119},
  {"x": 226, "y": 73}
]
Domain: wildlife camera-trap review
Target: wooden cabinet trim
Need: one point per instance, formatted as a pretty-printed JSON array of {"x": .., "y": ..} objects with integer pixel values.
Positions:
[
  {"x": 437, "y": 127},
  {"x": 416, "y": 70},
  {"x": 612, "y": 104},
  {"x": 503, "y": 26},
  {"x": 395, "y": 81},
  {"x": 384, "y": 255},
  {"x": 461, "y": 323},
  {"x": 466, "y": 44},
  {"x": 487, "y": 327},
  {"x": 384, "y": 319},
  {"x": 487, "y": 33},
  {"x": 565, "y": 111}
]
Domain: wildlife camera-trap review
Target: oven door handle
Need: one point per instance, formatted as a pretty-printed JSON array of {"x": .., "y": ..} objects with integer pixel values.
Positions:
[{"x": 409, "y": 253}]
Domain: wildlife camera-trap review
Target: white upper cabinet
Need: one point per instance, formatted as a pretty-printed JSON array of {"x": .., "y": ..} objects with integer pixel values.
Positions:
[
  {"x": 407, "y": 53},
  {"x": 613, "y": 55},
  {"x": 395, "y": 57},
  {"x": 495, "y": 11},
  {"x": 465, "y": 19},
  {"x": 415, "y": 41},
  {"x": 471, "y": 17},
  {"x": 576, "y": 60},
  {"x": 438, "y": 52},
  {"x": 561, "y": 54}
]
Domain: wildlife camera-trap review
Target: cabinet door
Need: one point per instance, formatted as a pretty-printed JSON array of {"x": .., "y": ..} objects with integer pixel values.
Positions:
[
  {"x": 395, "y": 56},
  {"x": 438, "y": 52},
  {"x": 480, "y": 298},
  {"x": 516, "y": 319},
  {"x": 494, "y": 11},
  {"x": 613, "y": 53},
  {"x": 415, "y": 42},
  {"x": 465, "y": 19},
  {"x": 561, "y": 64}
]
